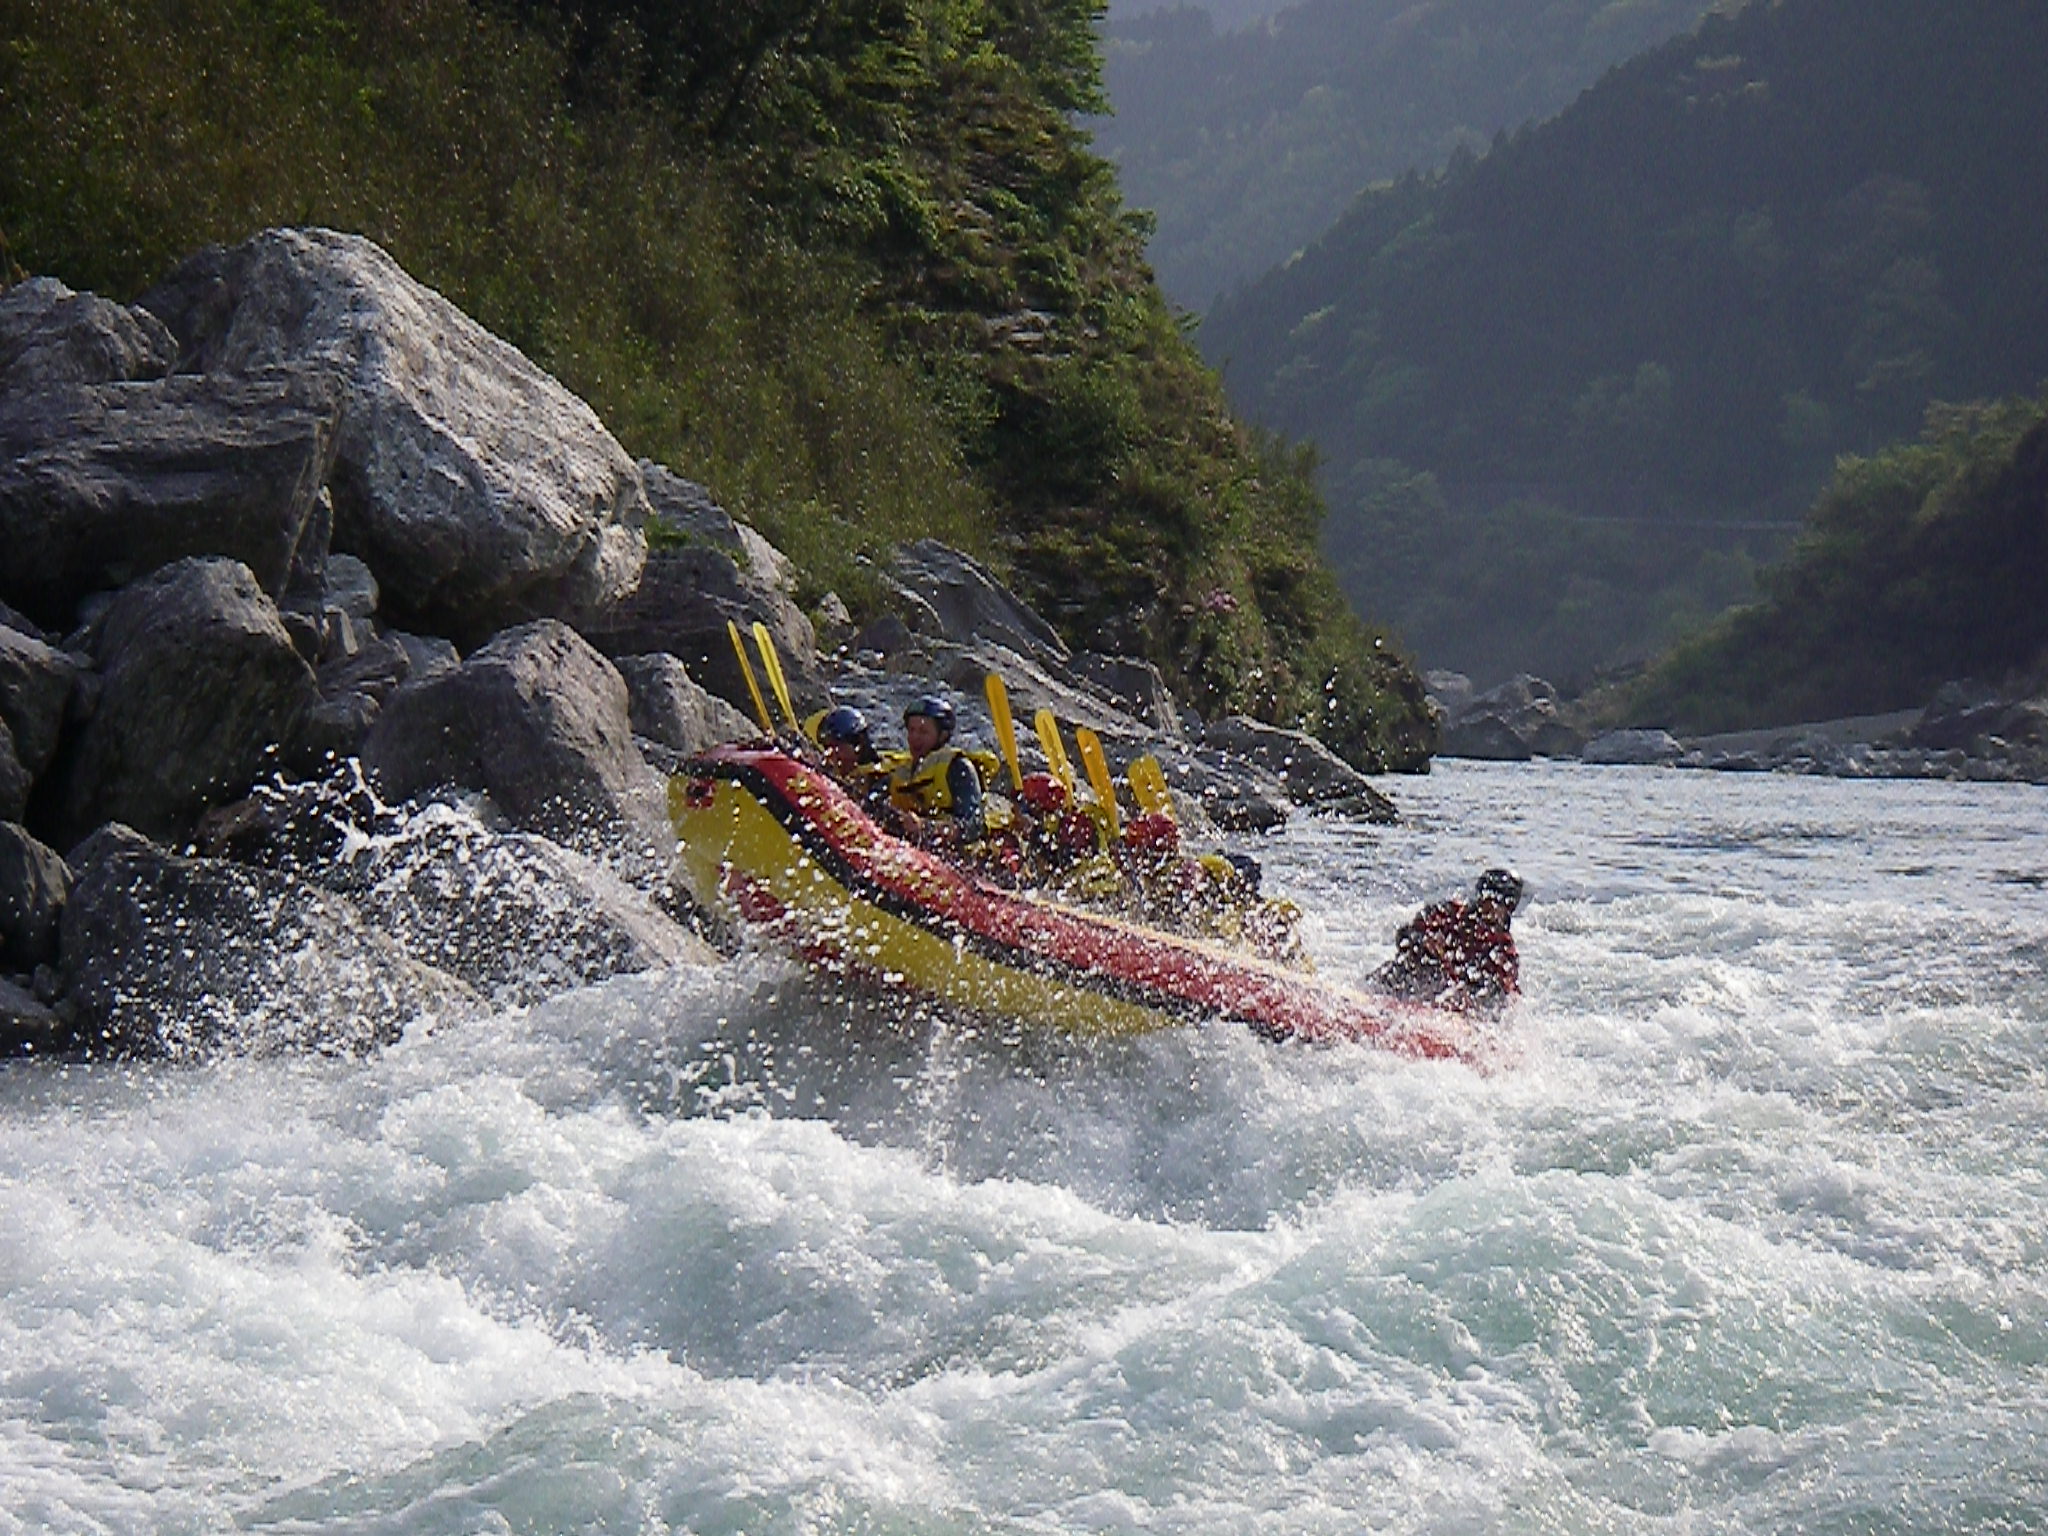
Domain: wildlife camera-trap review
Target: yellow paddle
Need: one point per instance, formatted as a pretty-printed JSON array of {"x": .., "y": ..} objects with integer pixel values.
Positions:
[
  {"x": 1006, "y": 726},
  {"x": 1055, "y": 750},
  {"x": 771, "y": 663},
  {"x": 739, "y": 649},
  {"x": 1090, "y": 746},
  {"x": 1148, "y": 786}
]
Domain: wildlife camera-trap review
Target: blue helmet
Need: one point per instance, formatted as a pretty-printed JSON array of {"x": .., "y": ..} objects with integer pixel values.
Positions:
[
  {"x": 843, "y": 725},
  {"x": 936, "y": 708}
]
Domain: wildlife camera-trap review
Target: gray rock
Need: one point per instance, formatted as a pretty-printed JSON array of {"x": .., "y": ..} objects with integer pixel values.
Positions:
[
  {"x": 29, "y": 1027},
  {"x": 426, "y": 655},
  {"x": 972, "y": 606},
  {"x": 536, "y": 719},
  {"x": 668, "y": 706},
  {"x": 1314, "y": 776},
  {"x": 684, "y": 602},
  {"x": 36, "y": 683},
  {"x": 51, "y": 336},
  {"x": 1638, "y": 748},
  {"x": 198, "y": 687},
  {"x": 479, "y": 490},
  {"x": 689, "y": 510},
  {"x": 182, "y": 957},
  {"x": 350, "y": 587},
  {"x": 1512, "y": 723},
  {"x": 15, "y": 779},
  {"x": 1134, "y": 686},
  {"x": 102, "y": 484},
  {"x": 353, "y": 689},
  {"x": 1450, "y": 692},
  {"x": 516, "y": 916},
  {"x": 34, "y": 885}
]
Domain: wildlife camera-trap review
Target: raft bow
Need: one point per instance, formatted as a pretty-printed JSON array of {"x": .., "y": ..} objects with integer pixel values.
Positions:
[{"x": 791, "y": 851}]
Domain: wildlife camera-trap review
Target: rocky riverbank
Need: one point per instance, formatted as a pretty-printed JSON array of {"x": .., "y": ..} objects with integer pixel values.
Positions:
[
  {"x": 342, "y": 652},
  {"x": 1995, "y": 732}
]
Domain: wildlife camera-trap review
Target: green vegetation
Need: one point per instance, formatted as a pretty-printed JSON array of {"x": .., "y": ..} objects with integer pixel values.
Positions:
[
  {"x": 1247, "y": 145},
  {"x": 1578, "y": 386},
  {"x": 1922, "y": 564},
  {"x": 849, "y": 264}
]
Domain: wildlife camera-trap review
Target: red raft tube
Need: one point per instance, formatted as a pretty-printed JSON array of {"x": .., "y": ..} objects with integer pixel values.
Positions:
[{"x": 766, "y": 835}]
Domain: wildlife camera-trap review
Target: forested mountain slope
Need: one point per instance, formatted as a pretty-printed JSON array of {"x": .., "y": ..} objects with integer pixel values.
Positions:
[
  {"x": 1557, "y": 388},
  {"x": 851, "y": 266},
  {"x": 1921, "y": 565},
  {"x": 1246, "y": 145}
]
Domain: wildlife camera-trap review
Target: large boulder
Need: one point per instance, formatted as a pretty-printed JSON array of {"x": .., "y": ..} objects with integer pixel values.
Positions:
[
  {"x": 1636, "y": 747},
  {"x": 536, "y": 719},
  {"x": 971, "y": 606},
  {"x": 15, "y": 779},
  {"x": 198, "y": 685},
  {"x": 34, "y": 885},
  {"x": 1136, "y": 687},
  {"x": 172, "y": 956},
  {"x": 1514, "y": 722},
  {"x": 668, "y": 706},
  {"x": 514, "y": 915},
  {"x": 1314, "y": 776},
  {"x": 50, "y": 336},
  {"x": 480, "y": 491},
  {"x": 36, "y": 682},
  {"x": 686, "y": 599},
  {"x": 100, "y": 484}
]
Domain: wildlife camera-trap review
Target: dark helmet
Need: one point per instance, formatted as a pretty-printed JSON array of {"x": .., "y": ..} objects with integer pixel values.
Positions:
[
  {"x": 844, "y": 725},
  {"x": 936, "y": 708},
  {"x": 1503, "y": 885}
]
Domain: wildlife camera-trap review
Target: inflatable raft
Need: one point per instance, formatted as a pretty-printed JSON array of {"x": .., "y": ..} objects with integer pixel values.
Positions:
[{"x": 774, "y": 839}]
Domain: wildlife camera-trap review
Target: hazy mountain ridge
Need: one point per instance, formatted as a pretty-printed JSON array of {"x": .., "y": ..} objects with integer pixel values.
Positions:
[
  {"x": 1248, "y": 144},
  {"x": 1555, "y": 388}
]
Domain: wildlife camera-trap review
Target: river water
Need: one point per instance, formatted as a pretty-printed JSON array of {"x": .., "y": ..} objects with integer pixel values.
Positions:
[{"x": 1753, "y": 1237}]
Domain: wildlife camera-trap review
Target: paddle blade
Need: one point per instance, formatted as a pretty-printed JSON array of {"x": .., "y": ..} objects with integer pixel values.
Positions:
[
  {"x": 771, "y": 663},
  {"x": 1055, "y": 750},
  {"x": 1006, "y": 726},
  {"x": 1090, "y": 746},
  {"x": 1148, "y": 787},
  {"x": 739, "y": 649}
]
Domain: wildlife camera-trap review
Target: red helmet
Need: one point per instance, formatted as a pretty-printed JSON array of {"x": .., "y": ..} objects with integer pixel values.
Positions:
[
  {"x": 1152, "y": 833},
  {"x": 1042, "y": 792}
]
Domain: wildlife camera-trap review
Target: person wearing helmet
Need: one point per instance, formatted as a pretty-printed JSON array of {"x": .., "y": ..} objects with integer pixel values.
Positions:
[
  {"x": 846, "y": 743},
  {"x": 937, "y": 793},
  {"x": 1458, "y": 953}
]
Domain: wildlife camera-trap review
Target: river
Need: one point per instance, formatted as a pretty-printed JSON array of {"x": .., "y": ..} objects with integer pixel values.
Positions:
[{"x": 1752, "y": 1236}]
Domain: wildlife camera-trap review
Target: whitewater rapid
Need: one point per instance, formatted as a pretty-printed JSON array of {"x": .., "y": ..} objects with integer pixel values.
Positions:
[{"x": 1753, "y": 1237}]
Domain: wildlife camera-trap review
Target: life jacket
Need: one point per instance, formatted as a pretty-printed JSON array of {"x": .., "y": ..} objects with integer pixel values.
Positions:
[
  {"x": 1447, "y": 940},
  {"x": 923, "y": 784}
]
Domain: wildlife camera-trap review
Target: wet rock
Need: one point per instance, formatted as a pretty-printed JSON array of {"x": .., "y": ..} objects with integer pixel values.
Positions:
[
  {"x": 198, "y": 683},
  {"x": 34, "y": 884},
  {"x": 1633, "y": 748},
  {"x": 480, "y": 491},
  {"x": 102, "y": 484},
  {"x": 50, "y": 336},
  {"x": 30, "y": 1027},
  {"x": 669, "y": 707},
  {"x": 515, "y": 915},
  {"x": 1312, "y": 774},
  {"x": 536, "y": 719},
  {"x": 971, "y": 606},
  {"x": 168, "y": 956},
  {"x": 352, "y": 694}
]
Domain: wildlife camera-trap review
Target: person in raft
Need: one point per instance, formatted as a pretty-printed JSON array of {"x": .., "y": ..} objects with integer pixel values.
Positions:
[
  {"x": 1460, "y": 954},
  {"x": 847, "y": 744},
  {"x": 935, "y": 789}
]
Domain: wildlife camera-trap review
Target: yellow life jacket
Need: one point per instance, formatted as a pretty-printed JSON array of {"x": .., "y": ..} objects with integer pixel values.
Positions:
[{"x": 923, "y": 785}]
